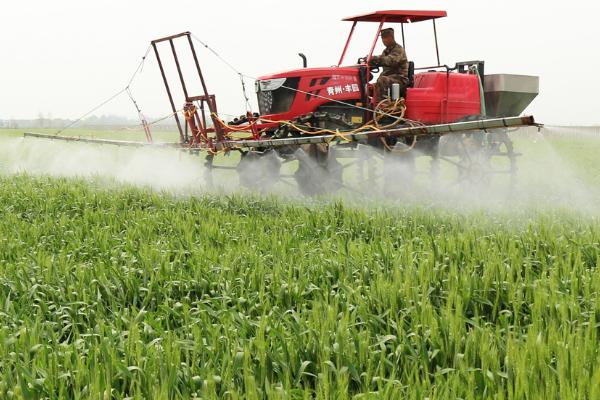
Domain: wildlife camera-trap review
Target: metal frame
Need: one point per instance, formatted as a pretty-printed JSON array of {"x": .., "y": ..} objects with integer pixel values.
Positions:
[
  {"x": 347, "y": 43},
  {"x": 383, "y": 19},
  {"x": 437, "y": 49},
  {"x": 406, "y": 131},
  {"x": 403, "y": 40},
  {"x": 375, "y": 42},
  {"x": 195, "y": 121}
]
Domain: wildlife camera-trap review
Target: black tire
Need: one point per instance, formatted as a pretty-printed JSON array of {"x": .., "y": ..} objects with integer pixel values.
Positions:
[
  {"x": 259, "y": 171},
  {"x": 318, "y": 171}
]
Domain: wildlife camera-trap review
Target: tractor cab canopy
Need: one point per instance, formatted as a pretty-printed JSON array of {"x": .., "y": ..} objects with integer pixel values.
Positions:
[
  {"x": 393, "y": 16},
  {"x": 398, "y": 16}
]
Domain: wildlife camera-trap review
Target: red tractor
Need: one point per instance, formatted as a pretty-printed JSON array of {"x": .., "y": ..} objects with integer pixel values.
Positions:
[{"x": 315, "y": 118}]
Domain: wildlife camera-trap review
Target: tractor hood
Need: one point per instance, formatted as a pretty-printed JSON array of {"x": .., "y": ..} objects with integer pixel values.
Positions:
[
  {"x": 303, "y": 72},
  {"x": 288, "y": 94}
]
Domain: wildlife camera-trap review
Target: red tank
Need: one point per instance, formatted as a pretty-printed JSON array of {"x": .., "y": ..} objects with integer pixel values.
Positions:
[{"x": 440, "y": 97}]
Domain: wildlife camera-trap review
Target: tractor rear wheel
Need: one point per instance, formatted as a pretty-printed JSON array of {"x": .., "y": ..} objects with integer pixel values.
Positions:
[{"x": 479, "y": 157}]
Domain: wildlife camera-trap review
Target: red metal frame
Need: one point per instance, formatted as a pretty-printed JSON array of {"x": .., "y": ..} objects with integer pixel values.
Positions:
[
  {"x": 195, "y": 122},
  {"x": 347, "y": 44},
  {"x": 391, "y": 16},
  {"x": 194, "y": 109}
]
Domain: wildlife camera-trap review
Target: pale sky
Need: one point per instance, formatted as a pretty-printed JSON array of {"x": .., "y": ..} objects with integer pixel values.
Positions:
[{"x": 63, "y": 57}]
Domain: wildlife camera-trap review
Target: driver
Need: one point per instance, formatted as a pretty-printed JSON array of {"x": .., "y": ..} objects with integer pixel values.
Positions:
[{"x": 394, "y": 63}]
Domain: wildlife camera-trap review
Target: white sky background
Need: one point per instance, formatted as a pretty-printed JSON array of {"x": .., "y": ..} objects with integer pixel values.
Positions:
[{"x": 63, "y": 57}]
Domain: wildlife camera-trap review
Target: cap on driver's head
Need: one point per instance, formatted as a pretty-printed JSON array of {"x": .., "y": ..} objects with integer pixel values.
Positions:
[{"x": 387, "y": 32}]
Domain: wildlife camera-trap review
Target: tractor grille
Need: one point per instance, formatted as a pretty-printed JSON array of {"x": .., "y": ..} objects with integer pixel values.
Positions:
[{"x": 279, "y": 100}]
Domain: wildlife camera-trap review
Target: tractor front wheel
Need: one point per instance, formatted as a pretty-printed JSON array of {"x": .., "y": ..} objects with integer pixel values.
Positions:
[
  {"x": 259, "y": 171},
  {"x": 318, "y": 171}
]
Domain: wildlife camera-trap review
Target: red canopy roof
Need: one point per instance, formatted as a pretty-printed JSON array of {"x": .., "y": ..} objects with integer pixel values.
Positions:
[{"x": 398, "y": 16}]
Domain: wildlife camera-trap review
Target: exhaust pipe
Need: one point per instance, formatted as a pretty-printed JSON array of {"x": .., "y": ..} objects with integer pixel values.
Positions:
[{"x": 304, "y": 62}]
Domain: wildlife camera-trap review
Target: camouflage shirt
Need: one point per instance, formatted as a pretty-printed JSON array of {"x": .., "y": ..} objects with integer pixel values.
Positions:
[{"x": 394, "y": 62}]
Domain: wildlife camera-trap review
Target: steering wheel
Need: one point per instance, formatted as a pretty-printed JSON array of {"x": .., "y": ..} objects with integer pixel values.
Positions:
[{"x": 372, "y": 68}]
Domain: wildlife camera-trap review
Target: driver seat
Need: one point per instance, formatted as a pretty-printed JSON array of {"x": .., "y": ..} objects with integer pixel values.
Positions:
[{"x": 411, "y": 79}]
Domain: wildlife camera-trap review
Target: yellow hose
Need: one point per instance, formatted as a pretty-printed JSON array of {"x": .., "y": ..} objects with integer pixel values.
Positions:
[{"x": 396, "y": 109}]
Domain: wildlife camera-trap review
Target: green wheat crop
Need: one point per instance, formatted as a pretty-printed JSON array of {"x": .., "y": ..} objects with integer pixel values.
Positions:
[{"x": 126, "y": 293}]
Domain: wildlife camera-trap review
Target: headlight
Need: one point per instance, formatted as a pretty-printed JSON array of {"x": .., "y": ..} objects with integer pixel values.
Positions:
[{"x": 271, "y": 84}]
